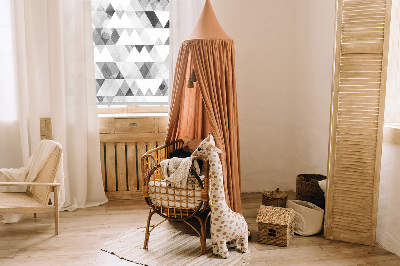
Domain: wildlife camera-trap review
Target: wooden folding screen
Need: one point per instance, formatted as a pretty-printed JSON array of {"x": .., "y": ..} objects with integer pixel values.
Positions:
[{"x": 358, "y": 97}]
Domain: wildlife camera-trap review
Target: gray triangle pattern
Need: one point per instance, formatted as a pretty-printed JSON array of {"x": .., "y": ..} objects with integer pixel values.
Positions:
[{"x": 131, "y": 40}]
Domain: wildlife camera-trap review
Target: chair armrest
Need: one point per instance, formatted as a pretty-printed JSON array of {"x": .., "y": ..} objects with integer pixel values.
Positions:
[
  {"x": 29, "y": 184},
  {"x": 149, "y": 154}
]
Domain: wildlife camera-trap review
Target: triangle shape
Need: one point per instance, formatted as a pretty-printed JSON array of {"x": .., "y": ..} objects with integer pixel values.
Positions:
[
  {"x": 129, "y": 93},
  {"x": 124, "y": 87},
  {"x": 110, "y": 11},
  {"x": 152, "y": 16},
  {"x": 100, "y": 47},
  {"x": 139, "y": 14},
  {"x": 139, "y": 31},
  {"x": 139, "y": 48},
  {"x": 120, "y": 93},
  {"x": 119, "y": 13},
  {"x": 100, "y": 82},
  {"x": 109, "y": 99},
  {"x": 139, "y": 92},
  {"x": 149, "y": 93},
  {"x": 158, "y": 41},
  {"x": 129, "y": 48},
  {"x": 99, "y": 8},
  {"x": 129, "y": 30},
  {"x": 144, "y": 4},
  {"x": 97, "y": 38},
  {"x": 149, "y": 48},
  {"x": 119, "y": 76}
]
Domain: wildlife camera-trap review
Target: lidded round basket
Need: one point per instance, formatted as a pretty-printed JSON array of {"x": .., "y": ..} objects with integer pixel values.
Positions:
[
  {"x": 274, "y": 198},
  {"x": 308, "y": 189}
]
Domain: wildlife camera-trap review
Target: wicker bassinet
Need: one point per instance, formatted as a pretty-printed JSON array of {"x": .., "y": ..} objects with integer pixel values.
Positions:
[{"x": 170, "y": 202}]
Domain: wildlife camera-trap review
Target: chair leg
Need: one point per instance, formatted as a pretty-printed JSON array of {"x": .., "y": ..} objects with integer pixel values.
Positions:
[
  {"x": 203, "y": 232},
  {"x": 56, "y": 211},
  {"x": 147, "y": 235},
  {"x": 203, "y": 236},
  {"x": 34, "y": 215}
]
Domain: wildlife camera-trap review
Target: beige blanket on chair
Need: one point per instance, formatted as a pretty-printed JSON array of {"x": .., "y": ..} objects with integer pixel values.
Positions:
[
  {"x": 29, "y": 173},
  {"x": 176, "y": 170}
]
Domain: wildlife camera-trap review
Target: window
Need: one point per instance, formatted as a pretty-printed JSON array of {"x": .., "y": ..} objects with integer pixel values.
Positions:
[
  {"x": 392, "y": 108},
  {"x": 131, "y": 51}
]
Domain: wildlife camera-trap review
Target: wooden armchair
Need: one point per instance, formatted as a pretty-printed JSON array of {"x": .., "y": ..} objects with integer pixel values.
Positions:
[{"x": 36, "y": 197}]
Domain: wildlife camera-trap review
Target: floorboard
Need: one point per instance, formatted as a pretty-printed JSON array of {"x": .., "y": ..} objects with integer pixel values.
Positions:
[{"x": 82, "y": 233}]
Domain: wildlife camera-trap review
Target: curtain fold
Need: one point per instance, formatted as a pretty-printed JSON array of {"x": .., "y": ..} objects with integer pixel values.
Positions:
[
  {"x": 211, "y": 106},
  {"x": 55, "y": 78}
]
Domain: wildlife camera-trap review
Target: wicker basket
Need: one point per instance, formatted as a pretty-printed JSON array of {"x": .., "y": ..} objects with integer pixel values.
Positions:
[
  {"x": 274, "y": 198},
  {"x": 308, "y": 189},
  {"x": 275, "y": 225}
]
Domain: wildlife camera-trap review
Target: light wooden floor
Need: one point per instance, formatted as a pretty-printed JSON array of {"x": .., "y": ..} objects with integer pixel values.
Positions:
[{"x": 83, "y": 232}]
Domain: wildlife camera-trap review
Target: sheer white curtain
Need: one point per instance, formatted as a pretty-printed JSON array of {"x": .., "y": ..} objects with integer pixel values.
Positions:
[
  {"x": 55, "y": 77},
  {"x": 183, "y": 18},
  {"x": 10, "y": 144}
]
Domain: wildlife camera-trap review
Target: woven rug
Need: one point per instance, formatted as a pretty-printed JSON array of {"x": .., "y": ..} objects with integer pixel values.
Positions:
[{"x": 167, "y": 247}]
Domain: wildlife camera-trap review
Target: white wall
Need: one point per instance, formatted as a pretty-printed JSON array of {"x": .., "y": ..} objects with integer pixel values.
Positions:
[
  {"x": 264, "y": 33},
  {"x": 314, "y": 60},
  {"x": 388, "y": 227},
  {"x": 284, "y": 52}
]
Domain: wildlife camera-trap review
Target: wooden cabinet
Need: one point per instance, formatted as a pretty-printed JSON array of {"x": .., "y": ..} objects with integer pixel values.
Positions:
[
  {"x": 123, "y": 141},
  {"x": 135, "y": 125},
  {"x": 162, "y": 125}
]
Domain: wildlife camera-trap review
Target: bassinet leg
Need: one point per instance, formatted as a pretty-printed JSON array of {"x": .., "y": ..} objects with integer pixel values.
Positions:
[{"x": 147, "y": 235}]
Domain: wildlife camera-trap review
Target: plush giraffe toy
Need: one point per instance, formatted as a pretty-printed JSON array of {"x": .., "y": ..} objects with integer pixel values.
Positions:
[{"x": 226, "y": 225}]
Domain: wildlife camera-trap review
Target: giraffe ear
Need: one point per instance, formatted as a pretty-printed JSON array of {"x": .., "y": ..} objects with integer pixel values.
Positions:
[{"x": 216, "y": 149}]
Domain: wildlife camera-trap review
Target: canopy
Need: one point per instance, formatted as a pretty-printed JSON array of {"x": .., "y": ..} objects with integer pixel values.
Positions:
[{"x": 211, "y": 105}]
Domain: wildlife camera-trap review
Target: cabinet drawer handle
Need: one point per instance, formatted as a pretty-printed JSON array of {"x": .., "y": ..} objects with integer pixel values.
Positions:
[{"x": 133, "y": 124}]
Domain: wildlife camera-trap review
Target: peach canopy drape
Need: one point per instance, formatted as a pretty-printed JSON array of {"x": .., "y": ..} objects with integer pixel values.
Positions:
[{"x": 211, "y": 106}]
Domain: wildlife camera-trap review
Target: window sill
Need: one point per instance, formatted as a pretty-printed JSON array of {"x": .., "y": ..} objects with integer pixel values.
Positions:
[
  {"x": 133, "y": 111},
  {"x": 133, "y": 115},
  {"x": 391, "y": 133}
]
